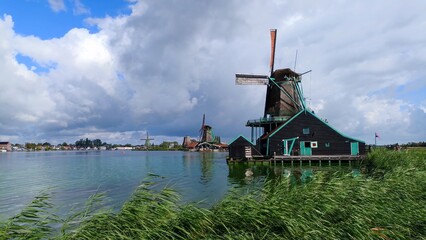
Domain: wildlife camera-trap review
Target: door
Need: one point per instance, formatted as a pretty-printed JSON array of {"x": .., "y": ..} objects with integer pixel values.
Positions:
[
  {"x": 247, "y": 151},
  {"x": 305, "y": 148},
  {"x": 354, "y": 148}
]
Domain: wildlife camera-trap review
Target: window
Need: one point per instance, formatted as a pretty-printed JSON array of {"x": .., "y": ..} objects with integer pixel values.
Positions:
[
  {"x": 305, "y": 130},
  {"x": 307, "y": 144},
  {"x": 327, "y": 145}
]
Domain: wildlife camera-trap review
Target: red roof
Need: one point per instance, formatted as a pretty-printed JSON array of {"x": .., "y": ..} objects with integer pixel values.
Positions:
[{"x": 191, "y": 145}]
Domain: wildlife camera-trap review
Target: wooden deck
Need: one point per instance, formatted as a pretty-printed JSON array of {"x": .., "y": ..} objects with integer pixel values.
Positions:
[{"x": 318, "y": 160}]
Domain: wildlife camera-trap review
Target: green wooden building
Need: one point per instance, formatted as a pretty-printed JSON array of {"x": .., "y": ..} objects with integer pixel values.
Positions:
[{"x": 288, "y": 127}]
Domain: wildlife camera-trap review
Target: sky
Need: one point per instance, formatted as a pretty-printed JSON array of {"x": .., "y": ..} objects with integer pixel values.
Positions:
[{"x": 117, "y": 69}]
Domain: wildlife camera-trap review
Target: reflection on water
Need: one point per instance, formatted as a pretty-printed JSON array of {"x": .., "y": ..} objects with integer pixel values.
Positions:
[
  {"x": 206, "y": 166},
  {"x": 261, "y": 173}
]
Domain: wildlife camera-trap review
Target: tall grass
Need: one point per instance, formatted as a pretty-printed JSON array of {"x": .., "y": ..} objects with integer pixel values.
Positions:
[
  {"x": 33, "y": 222},
  {"x": 382, "y": 159},
  {"x": 388, "y": 202}
]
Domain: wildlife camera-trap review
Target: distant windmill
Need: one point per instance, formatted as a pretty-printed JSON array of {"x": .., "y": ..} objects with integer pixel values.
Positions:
[
  {"x": 206, "y": 133},
  {"x": 147, "y": 140}
]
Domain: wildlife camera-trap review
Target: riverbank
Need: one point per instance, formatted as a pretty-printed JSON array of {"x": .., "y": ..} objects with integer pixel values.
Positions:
[{"x": 386, "y": 202}]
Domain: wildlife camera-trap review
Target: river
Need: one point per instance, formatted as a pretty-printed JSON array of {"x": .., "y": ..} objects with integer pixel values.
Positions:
[{"x": 73, "y": 176}]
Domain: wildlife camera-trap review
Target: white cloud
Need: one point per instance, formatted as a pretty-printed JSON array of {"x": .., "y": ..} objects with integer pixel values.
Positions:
[
  {"x": 382, "y": 111},
  {"x": 164, "y": 65},
  {"x": 423, "y": 106},
  {"x": 57, "y": 5},
  {"x": 24, "y": 97},
  {"x": 292, "y": 20},
  {"x": 79, "y": 8}
]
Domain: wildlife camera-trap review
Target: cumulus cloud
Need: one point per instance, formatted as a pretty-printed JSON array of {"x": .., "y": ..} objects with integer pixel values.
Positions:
[
  {"x": 79, "y": 8},
  {"x": 57, "y": 5},
  {"x": 161, "y": 67},
  {"x": 25, "y": 98}
]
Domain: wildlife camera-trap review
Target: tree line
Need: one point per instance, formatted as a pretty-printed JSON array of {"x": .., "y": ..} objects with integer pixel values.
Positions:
[
  {"x": 87, "y": 143},
  {"x": 82, "y": 143},
  {"x": 415, "y": 144}
]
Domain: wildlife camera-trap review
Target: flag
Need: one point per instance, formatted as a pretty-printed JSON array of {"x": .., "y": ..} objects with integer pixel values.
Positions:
[{"x": 376, "y": 135}]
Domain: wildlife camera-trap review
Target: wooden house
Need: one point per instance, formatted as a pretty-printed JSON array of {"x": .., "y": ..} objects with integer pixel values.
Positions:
[
  {"x": 242, "y": 148},
  {"x": 305, "y": 135}
]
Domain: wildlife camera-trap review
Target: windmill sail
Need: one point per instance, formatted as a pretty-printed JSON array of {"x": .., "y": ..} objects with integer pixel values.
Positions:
[
  {"x": 273, "y": 42},
  {"x": 202, "y": 128},
  {"x": 147, "y": 140},
  {"x": 248, "y": 79}
]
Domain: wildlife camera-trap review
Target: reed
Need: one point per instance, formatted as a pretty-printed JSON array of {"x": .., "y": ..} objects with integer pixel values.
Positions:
[
  {"x": 387, "y": 202},
  {"x": 33, "y": 222}
]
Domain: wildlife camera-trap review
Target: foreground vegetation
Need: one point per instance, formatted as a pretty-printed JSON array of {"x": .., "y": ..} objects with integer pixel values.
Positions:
[{"x": 387, "y": 202}]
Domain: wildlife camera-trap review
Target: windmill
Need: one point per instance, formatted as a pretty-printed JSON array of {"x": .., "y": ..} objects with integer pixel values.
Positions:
[
  {"x": 147, "y": 140},
  {"x": 288, "y": 127},
  {"x": 206, "y": 133},
  {"x": 284, "y": 96}
]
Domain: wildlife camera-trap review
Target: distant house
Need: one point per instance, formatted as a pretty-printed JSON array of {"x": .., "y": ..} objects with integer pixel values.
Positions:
[
  {"x": 67, "y": 147},
  {"x": 189, "y": 143},
  {"x": 124, "y": 148},
  {"x": 5, "y": 146}
]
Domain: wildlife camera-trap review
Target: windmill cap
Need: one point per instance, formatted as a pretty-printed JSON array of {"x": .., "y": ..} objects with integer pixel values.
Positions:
[{"x": 279, "y": 74}]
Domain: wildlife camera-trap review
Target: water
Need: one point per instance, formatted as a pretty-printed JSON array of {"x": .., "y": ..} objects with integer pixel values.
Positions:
[{"x": 73, "y": 176}]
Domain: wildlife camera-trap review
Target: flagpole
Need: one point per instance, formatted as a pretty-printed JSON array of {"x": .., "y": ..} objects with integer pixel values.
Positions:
[{"x": 375, "y": 138}]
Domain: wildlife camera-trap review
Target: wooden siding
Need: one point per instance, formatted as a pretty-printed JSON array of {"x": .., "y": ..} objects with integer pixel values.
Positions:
[
  {"x": 277, "y": 103},
  {"x": 237, "y": 148},
  {"x": 318, "y": 132}
]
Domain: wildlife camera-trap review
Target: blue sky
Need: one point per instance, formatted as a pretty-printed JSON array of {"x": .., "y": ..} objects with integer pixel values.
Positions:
[
  {"x": 114, "y": 69},
  {"x": 40, "y": 18}
]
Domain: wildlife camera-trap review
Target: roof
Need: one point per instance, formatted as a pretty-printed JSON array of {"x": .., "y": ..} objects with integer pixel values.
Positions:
[
  {"x": 192, "y": 144},
  {"x": 306, "y": 111},
  {"x": 242, "y": 137},
  {"x": 279, "y": 74},
  {"x": 280, "y": 126}
]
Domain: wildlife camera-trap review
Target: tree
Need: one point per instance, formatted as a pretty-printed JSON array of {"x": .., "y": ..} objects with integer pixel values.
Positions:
[
  {"x": 30, "y": 146},
  {"x": 88, "y": 143},
  {"x": 97, "y": 143}
]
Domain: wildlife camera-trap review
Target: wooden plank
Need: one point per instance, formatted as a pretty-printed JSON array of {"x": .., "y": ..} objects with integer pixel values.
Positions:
[
  {"x": 315, "y": 158},
  {"x": 247, "y": 79}
]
